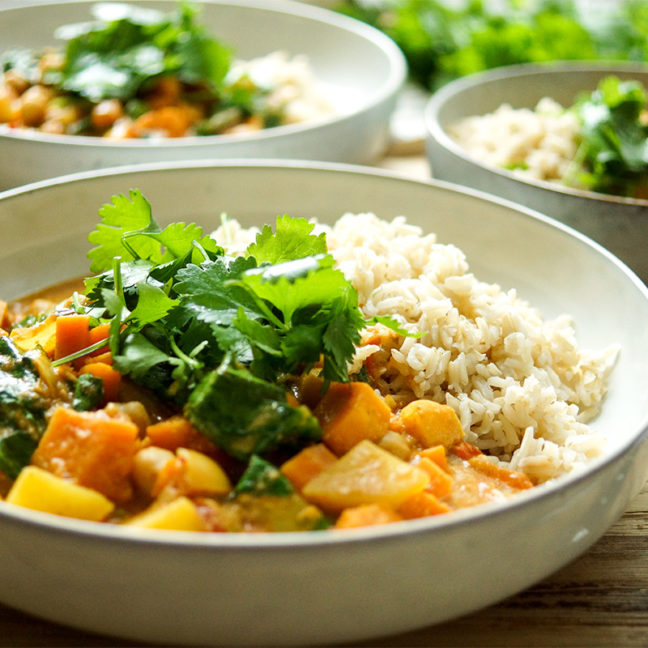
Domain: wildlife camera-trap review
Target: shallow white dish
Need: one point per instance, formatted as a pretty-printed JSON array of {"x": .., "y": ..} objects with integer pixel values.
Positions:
[
  {"x": 620, "y": 224},
  {"x": 324, "y": 587},
  {"x": 360, "y": 67}
]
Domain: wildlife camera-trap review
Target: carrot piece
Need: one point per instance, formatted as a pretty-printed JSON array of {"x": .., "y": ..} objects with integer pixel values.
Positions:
[
  {"x": 177, "y": 432},
  {"x": 350, "y": 413},
  {"x": 440, "y": 480},
  {"x": 91, "y": 448},
  {"x": 111, "y": 378},
  {"x": 437, "y": 454},
  {"x": 513, "y": 478},
  {"x": 72, "y": 333},
  {"x": 465, "y": 450},
  {"x": 307, "y": 464},
  {"x": 366, "y": 515},
  {"x": 105, "y": 358},
  {"x": 98, "y": 333},
  {"x": 422, "y": 504}
]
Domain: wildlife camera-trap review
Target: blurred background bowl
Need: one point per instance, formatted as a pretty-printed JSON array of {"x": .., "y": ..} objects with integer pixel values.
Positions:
[
  {"x": 322, "y": 587},
  {"x": 361, "y": 69},
  {"x": 620, "y": 224}
]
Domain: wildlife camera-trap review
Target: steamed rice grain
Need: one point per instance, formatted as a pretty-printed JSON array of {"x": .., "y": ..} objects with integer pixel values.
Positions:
[{"x": 521, "y": 386}]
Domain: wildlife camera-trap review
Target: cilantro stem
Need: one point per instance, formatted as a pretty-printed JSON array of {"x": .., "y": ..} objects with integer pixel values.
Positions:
[{"x": 79, "y": 354}]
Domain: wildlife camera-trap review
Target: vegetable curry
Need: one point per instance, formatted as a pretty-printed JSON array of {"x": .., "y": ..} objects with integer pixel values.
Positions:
[
  {"x": 136, "y": 73},
  {"x": 183, "y": 388}
]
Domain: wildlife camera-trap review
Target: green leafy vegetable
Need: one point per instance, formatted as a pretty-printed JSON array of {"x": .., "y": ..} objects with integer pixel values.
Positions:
[
  {"x": 262, "y": 478},
  {"x": 22, "y": 408},
  {"x": 613, "y": 154},
  {"x": 88, "y": 393},
  {"x": 443, "y": 40},
  {"x": 128, "y": 46},
  {"x": 218, "y": 334}
]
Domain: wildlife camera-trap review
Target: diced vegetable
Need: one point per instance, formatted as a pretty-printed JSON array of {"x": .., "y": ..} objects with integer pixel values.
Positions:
[
  {"x": 431, "y": 423},
  {"x": 179, "y": 515},
  {"x": 366, "y": 474},
  {"x": 440, "y": 480},
  {"x": 366, "y": 515},
  {"x": 72, "y": 334},
  {"x": 437, "y": 454},
  {"x": 307, "y": 464},
  {"x": 41, "y": 490},
  {"x": 422, "y": 504},
  {"x": 91, "y": 448},
  {"x": 349, "y": 413}
]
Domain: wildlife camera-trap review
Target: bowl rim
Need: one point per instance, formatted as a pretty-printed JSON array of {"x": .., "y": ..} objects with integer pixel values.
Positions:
[
  {"x": 438, "y": 135},
  {"x": 278, "y": 541},
  {"x": 388, "y": 88}
]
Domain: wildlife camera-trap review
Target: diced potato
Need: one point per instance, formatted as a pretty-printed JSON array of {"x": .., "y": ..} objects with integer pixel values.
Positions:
[
  {"x": 201, "y": 475},
  {"x": 179, "y": 515},
  {"x": 431, "y": 423},
  {"x": 349, "y": 413},
  {"x": 366, "y": 474},
  {"x": 42, "y": 491}
]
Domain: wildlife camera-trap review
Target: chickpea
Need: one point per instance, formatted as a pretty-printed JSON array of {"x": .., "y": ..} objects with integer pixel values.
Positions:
[
  {"x": 8, "y": 103},
  {"x": 33, "y": 104},
  {"x": 64, "y": 112},
  {"x": 106, "y": 113},
  {"x": 51, "y": 61},
  {"x": 52, "y": 126},
  {"x": 18, "y": 83}
]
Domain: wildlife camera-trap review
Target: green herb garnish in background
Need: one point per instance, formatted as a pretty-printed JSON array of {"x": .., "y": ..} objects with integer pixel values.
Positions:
[
  {"x": 613, "y": 153},
  {"x": 446, "y": 39}
]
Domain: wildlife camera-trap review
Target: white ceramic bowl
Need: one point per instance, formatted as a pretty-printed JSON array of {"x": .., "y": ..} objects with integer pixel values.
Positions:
[
  {"x": 620, "y": 224},
  {"x": 361, "y": 69},
  {"x": 322, "y": 587}
]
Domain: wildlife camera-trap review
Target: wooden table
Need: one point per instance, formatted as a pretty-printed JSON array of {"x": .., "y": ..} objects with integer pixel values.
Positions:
[{"x": 598, "y": 601}]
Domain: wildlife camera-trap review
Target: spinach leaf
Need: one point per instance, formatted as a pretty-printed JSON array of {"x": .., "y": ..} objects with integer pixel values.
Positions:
[
  {"x": 262, "y": 478},
  {"x": 245, "y": 415},
  {"x": 22, "y": 408}
]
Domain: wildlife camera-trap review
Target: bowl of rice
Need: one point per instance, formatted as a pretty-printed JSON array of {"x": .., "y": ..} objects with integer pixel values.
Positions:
[
  {"x": 88, "y": 85},
  {"x": 527, "y": 351},
  {"x": 564, "y": 138}
]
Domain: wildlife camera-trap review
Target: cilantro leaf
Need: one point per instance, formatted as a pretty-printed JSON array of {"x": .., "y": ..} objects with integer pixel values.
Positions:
[{"x": 293, "y": 240}]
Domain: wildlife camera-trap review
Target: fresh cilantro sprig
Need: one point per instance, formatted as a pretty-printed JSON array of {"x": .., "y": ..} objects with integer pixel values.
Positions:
[
  {"x": 209, "y": 330},
  {"x": 613, "y": 153},
  {"x": 127, "y": 46}
]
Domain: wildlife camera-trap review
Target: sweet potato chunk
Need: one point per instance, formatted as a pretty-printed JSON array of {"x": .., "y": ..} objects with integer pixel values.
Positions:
[
  {"x": 431, "y": 423},
  {"x": 366, "y": 515},
  {"x": 91, "y": 448},
  {"x": 349, "y": 413},
  {"x": 307, "y": 464}
]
